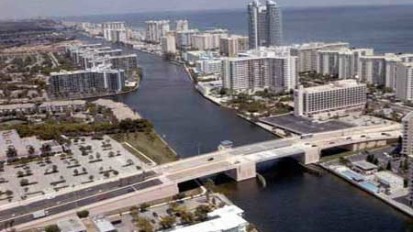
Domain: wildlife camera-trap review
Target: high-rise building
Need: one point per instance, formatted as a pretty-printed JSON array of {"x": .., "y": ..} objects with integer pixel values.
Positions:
[
  {"x": 308, "y": 53},
  {"x": 342, "y": 63},
  {"x": 182, "y": 25},
  {"x": 155, "y": 30},
  {"x": 336, "y": 99},
  {"x": 114, "y": 31},
  {"x": 168, "y": 44},
  {"x": 404, "y": 81},
  {"x": 207, "y": 41},
  {"x": 266, "y": 70},
  {"x": 264, "y": 24},
  {"x": 184, "y": 39},
  {"x": 407, "y": 149},
  {"x": 91, "y": 81},
  {"x": 232, "y": 45}
]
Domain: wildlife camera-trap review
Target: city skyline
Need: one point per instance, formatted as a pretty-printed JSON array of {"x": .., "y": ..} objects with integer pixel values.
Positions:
[{"x": 20, "y": 9}]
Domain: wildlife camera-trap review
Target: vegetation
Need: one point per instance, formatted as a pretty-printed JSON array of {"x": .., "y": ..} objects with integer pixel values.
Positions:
[
  {"x": 167, "y": 222},
  {"x": 82, "y": 214},
  {"x": 52, "y": 228}
]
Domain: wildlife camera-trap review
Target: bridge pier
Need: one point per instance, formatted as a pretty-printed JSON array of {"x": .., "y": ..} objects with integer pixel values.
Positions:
[
  {"x": 244, "y": 170},
  {"x": 312, "y": 155}
]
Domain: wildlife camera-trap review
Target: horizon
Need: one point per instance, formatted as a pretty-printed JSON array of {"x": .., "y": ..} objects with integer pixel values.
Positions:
[{"x": 149, "y": 11}]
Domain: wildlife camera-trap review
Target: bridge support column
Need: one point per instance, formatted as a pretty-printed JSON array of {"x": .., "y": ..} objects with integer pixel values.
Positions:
[
  {"x": 245, "y": 170},
  {"x": 312, "y": 155}
]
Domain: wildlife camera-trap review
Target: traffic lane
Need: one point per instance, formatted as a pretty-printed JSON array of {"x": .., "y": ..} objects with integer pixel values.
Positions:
[{"x": 88, "y": 201}]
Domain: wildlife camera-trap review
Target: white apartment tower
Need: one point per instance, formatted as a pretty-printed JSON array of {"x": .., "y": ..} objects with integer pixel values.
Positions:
[
  {"x": 276, "y": 73},
  {"x": 182, "y": 25},
  {"x": 155, "y": 30},
  {"x": 407, "y": 149},
  {"x": 114, "y": 31},
  {"x": 264, "y": 24},
  {"x": 168, "y": 43},
  {"x": 339, "y": 98}
]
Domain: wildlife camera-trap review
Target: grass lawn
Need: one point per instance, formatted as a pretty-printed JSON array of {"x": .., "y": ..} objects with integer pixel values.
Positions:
[{"x": 149, "y": 144}]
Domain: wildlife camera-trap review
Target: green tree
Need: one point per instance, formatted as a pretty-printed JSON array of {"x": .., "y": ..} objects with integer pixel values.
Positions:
[
  {"x": 82, "y": 214},
  {"x": 144, "y": 207},
  {"x": 52, "y": 228},
  {"x": 388, "y": 167},
  {"x": 167, "y": 222},
  {"x": 144, "y": 225},
  {"x": 201, "y": 212}
]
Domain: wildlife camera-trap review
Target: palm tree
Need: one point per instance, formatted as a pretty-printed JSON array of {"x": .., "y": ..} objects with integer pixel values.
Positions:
[{"x": 11, "y": 152}]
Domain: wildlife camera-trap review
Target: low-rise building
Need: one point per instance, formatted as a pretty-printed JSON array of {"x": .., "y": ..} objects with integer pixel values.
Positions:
[
  {"x": 63, "y": 106},
  {"x": 26, "y": 108},
  {"x": 119, "y": 110},
  {"x": 71, "y": 225},
  {"x": 103, "y": 225},
  {"x": 364, "y": 167},
  {"x": 337, "y": 99},
  {"x": 390, "y": 180},
  {"x": 227, "y": 219}
]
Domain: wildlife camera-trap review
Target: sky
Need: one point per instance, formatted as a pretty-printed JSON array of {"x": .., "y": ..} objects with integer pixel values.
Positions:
[{"x": 17, "y": 9}]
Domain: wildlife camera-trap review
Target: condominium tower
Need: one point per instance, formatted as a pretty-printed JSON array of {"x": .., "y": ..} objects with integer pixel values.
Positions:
[
  {"x": 264, "y": 24},
  {"x": 336, "y": 99}
]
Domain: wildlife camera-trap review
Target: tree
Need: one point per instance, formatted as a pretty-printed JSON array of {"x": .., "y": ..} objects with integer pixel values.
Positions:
[
  {"x": 167, "y": 222},
  {"x": 31, "y": 150},
  {"x": 20, "y": 174},
  {"x": 388, "y": 167},
  {"x": 91, "y": 177},
  {"x": 24, "y": 182},
  {"x": 52, "y": 228},
  {"x": 187, "y": 217},
  {"x": 144, "y": 225},
  {"x": 201, "y": 212},
  {"x": 75, "y": 172},
  {"x": 82, "y": 214},
  {"x": 11, "y": 152},
  {"x": 144, "y": 207}
]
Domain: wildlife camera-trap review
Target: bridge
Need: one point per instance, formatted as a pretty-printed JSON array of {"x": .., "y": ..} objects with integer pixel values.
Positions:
[
  {"x": 162, "y": 181},
  {"x": 240, "y": 163}
]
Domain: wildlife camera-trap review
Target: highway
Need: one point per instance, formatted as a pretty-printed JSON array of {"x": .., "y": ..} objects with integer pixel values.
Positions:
[{"x": 72, "y": 200}]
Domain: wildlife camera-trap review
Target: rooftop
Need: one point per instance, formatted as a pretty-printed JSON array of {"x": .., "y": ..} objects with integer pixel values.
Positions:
[
  {"x": 71, "y": 225},
  {"x": 364, "y": 165},
  {"x": 342, "y": 84}
]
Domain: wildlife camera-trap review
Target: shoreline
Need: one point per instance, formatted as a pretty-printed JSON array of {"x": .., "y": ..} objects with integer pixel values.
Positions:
[{"x": 404, "y": 209}]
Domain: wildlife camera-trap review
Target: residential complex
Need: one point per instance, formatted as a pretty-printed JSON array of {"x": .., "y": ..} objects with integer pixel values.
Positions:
[
  {"x": 232, "y": 45},
  {"x": 155, "y": 30},
  {"x": 307, "y": 53},
  {"x": 209, "y": 40},
  {"x": 265, "y": 70},
  {"x": 407, "y": 149},
  {"x": 339, "y": 98},
  {"x": 342, "y": 63},
  {"x": 404, "y": 81},
  {"x": 168, "y": 43},
  {"x": 114, "y": 31},
  {"x": 264, "y": 24},
  {"x": 97, "y": 80},
  {"x": 184, "y": 38},
  {"x": 182, "y": 25}
]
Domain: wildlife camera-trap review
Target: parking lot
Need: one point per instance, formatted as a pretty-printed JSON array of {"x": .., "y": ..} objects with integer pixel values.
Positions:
[{"x": 91, "y": 161}]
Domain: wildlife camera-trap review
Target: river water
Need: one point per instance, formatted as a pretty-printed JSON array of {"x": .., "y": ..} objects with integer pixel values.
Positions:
[{"x": 292, "y": 200}]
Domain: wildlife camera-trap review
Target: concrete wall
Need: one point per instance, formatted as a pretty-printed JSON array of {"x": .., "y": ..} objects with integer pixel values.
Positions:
[{"x": 245, "y": 170}]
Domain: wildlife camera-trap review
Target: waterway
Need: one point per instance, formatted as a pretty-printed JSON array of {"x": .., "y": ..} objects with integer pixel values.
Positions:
[{"x": 293, "y": 200}]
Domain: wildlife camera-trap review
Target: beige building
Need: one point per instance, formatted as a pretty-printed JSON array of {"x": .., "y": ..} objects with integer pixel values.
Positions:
[
  {"x": 339, "y": 98},
  {"x": 232, "y": 45}
]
